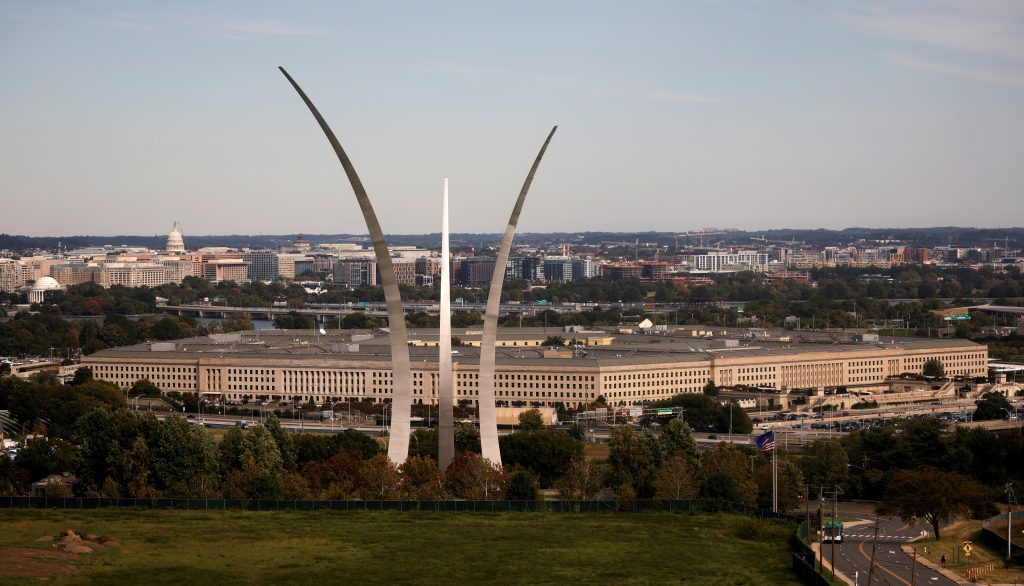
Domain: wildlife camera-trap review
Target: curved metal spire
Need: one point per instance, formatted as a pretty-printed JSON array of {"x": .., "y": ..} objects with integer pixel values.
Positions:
[
  {"x": 398, "y": 445},
  {"x": 488, "y": 421}
]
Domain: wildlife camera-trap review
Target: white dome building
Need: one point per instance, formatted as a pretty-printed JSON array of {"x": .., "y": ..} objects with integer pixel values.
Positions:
[
  {"x": 37, "y": 294},
  {"x": 175, "y": 241}
]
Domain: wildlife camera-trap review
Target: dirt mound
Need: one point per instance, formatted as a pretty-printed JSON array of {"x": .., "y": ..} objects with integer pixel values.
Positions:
[{"x": 72, "y": 542}]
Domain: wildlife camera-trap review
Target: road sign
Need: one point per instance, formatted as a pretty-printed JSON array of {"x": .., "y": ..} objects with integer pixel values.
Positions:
[
  {"x": 968, "y": 548},
  {"x": 665, "y": 411},
  {"x": 957, "y": 317}
]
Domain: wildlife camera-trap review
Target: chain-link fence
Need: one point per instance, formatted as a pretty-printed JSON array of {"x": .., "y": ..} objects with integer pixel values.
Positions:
[{"x": 489, "y": 506}]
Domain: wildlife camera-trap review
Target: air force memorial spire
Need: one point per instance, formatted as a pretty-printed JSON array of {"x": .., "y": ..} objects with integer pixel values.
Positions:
[
  {"x": 398, "y": 446},
  {"x": 488, "y": 421},
  {"x": 446, "y": 392},
  {"x": 401, "y": 402}
]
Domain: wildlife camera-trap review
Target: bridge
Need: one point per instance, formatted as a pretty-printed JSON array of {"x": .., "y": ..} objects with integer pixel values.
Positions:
[{"x": 322, "y": 312}]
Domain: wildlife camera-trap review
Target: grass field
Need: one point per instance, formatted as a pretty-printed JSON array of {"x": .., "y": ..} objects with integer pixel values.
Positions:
[
  {"x": 179, "y": 547},
  {"x": 951, "y": 543}
]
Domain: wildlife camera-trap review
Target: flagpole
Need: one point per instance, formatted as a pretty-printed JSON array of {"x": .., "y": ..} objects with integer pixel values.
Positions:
[{"x": 775, "y": 484}]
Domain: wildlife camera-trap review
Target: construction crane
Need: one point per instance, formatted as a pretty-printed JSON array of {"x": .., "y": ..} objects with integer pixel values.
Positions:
[{"x": 700, "y": 232}]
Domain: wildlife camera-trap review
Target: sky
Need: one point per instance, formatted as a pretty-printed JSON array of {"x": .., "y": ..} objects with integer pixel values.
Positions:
[{"x": 123, "y": 116}]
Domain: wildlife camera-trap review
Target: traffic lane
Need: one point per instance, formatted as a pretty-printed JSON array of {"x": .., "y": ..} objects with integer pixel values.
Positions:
[{"x": 892, "y": 565}]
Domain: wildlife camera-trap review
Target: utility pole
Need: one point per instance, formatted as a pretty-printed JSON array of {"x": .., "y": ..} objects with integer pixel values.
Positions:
[
  {"x": 835, "y": 503},
  {"x": 1010, "y": 501},
  {"x": 874, "y": 545},
  {"x": 913, "y": 568},
  {"x": 821, "y": 527}
]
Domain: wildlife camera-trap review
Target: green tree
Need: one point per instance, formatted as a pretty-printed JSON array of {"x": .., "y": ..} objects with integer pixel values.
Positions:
[
  {"x": 143, "y": 387},
  {"x": 634, "y": 457},
  {"x": 933, "y": 367},
  {"x": 726, "y": 477},
  {"x": 711, "y": 389},
  {"x": 992, "y": 406},
  {"x": 825, "y": 463},
  {"x": 934, "y": 495},
  {"x": 558, "y": 341},
  {"x": 293, "y": 320},
  {"x": 283, "y": 440},
  {"x": 546, "y": 453},
  {"x": 522, "y": 486},
  {"x": 676, "y": 439},
  {"x": 45, "y": 456},
  {"x": 185, "y": 459},
  {"x": 530, "y": 420},
  {"x": 82, "y": 375},
  {"x": 792, "y": 489}
]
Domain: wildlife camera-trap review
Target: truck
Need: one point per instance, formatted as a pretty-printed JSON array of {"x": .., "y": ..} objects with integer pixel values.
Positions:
[{"x": 832, "y": 531}]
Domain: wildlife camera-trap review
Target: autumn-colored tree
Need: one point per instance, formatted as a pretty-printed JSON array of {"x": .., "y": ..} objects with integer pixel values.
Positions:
[
  {"x": 676, "y": 479},
  {"x": 582, "y": 481},
  {"x": 421, "y": 480},
  {"x": 341, "y": 474},
  {"x": 473, "y": 477},
  {"x": 381, "y": 479}
]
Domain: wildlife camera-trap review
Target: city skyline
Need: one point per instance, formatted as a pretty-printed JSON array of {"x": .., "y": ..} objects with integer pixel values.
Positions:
[{"x": 712, "y": 103}]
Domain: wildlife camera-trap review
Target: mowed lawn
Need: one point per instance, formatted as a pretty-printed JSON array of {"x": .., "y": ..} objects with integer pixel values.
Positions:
[{"x": 389, "y": 547}]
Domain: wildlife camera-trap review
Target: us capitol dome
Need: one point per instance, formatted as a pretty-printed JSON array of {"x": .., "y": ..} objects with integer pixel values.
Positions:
[{"x": 175, "y": 242}]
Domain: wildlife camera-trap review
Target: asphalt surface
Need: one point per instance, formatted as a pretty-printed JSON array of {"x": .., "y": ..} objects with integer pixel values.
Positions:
[{"x": 891, "y": 566}]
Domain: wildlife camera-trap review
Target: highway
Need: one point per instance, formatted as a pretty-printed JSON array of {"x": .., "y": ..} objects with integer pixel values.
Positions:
[{"x": 892, "y": 565}]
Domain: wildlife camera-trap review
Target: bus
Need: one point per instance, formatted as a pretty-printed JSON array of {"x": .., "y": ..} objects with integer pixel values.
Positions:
[{"x": 833, "y": 531}]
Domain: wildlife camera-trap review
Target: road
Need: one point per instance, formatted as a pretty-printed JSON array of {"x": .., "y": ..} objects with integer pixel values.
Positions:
[{"x": 892, "y": 566}]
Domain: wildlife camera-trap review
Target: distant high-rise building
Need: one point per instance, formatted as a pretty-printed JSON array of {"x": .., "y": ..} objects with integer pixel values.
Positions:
[
  {"x": 175, "y": 240},
  {"x": 263, "y": 264},
  {"x": 225, "y": 269},
  {"x": 557, "y": 268},
  {"x": 583, "y": 268},
  {"x": 530, "y": 268},
  {"x": 352, "y": 272},
  {"x": 405, "y": 270},
  {"x": 11, "y": 276},
  {"x": 304, "y": 265},
  {"x": 477, "y": 271},
  {"x": 621, "y": 271}
]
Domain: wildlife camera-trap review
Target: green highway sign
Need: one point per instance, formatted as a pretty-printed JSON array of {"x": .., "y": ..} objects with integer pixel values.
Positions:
[
  {"x": 957, "y": 317},
  {"x": 665, "y": 411}
]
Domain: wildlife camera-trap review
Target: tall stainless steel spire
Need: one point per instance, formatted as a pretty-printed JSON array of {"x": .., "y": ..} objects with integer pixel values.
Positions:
[
  {"x": 488, "y": 422},
  {"x": 446, "y": 392},
  {"x": 401, "y": 402}
]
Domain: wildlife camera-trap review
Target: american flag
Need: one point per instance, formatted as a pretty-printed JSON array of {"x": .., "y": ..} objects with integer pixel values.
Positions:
[{"x": 766, "y": 441}]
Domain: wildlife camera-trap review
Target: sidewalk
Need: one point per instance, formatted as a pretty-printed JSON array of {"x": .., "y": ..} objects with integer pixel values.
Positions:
[{"x": 956, "y": 578}]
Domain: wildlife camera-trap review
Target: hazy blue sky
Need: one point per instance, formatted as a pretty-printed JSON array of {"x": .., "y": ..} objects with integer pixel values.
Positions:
[{"x": 121, "y": 116}]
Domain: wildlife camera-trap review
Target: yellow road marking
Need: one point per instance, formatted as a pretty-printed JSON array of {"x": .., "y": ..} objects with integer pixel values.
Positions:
[{"x": 887, "y": 570}]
